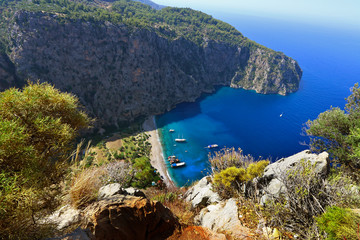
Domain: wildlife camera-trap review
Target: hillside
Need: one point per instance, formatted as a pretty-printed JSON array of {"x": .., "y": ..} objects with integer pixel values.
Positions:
[{"x": 125, "y": 59}]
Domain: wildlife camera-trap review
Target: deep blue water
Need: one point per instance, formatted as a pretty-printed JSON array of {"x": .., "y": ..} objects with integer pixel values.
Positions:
[{"x": 330, "y": 59}]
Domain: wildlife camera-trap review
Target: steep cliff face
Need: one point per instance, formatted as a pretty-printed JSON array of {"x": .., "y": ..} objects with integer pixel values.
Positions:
[{"x": 120, "y": 73}]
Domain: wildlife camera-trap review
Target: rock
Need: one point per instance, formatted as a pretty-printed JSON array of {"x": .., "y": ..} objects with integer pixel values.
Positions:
[
  {"x": 271, "y": 180},
  {"x": 115, "y": 188},
  {"x": 201, "y": 195},
  {"x": 134, "y": 192},
  {"x": 129, "y": 217},
  {"x": 78, "y": 234},
  {"x": 64, "y": 217},
  {"x": 200, "y": 233},
  {"x": 110, "y": 190},
  {"x": 223, "y": 217}
]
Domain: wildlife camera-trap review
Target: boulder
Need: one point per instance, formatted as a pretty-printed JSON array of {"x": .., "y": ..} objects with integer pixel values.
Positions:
[
  {"x": 129, "y": 217},
  {"x": 64, "y": 217},
  {"x": 271, "y": 183},
  {"x": 223, "y": 217},
  {"x": 201, "y": 194},
  {"x": 115, "y": 188},
  {"x": 110, "y": 190}
]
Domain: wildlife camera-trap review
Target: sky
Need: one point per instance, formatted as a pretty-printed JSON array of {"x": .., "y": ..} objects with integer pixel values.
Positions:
[{"x": 339, "y": 12}]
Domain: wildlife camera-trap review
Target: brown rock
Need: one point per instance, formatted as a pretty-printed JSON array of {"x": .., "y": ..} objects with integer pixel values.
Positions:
[
  {"x": 200, "y": 233},
  {"x": 130, "y": 217}
]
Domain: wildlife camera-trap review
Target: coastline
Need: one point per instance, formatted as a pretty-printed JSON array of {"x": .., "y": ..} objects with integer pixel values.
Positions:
[{"x": 156, "y": 156}]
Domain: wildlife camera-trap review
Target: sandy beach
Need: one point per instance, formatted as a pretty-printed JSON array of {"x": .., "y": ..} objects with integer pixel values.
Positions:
[{"x": 156, "y": 156}]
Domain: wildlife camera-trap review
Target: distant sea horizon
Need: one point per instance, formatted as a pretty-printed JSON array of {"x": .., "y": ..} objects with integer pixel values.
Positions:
[{"x": 267, "y": 126}]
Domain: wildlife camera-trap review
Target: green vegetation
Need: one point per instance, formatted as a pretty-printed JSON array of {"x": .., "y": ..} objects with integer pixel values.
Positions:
[
  {"x": 38, "y": 125},
  {"x": 169, "y": 22},
  {"x": 338, "y": 223},
  {"x": 338, "y": 132},
  {"x": 232, "y": 171}
]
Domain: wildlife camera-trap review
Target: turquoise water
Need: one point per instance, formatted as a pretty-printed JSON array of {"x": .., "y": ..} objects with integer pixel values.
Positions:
[{"x": 330, "y": 59}]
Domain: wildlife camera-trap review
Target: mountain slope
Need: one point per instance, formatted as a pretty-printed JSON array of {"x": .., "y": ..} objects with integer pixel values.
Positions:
[{"x": 125, "y": 59}]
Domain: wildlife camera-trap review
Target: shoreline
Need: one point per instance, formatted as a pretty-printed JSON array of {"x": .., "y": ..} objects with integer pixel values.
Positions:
[{"x": 157, "y": 159}]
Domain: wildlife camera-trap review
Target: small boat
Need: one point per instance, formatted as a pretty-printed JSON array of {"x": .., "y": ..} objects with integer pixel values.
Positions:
[
  {"x": 281, "y": 114},
  {"x": 180, "y": 140},
  {"x": 212, "y": 146},
  {"x": 180, "y": 164},
  {"x": 171, "y": 130}
]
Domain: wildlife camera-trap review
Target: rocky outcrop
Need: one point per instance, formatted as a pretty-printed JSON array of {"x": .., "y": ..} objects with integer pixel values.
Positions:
[
  {"x": 115, "y": 188},
  {"x": 223, "y": 217},
  {"x": 201, "y": 194},
  {"x": 271, "y": 182},
  {"x": 120, "y": 73},
  {"x": 129, "y": 217}
]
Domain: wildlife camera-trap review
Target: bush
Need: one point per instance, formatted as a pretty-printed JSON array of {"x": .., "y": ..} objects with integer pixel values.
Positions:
[
  {"x": 338, "y": 132},
  {"x": 119, "y": 172},
  {"x": 306, "y": 196},
  {"x": 339, "y": 223},
  {"x": 230, "y": 181},
  {"x": 85, "y": 186},
  {"x": 38, "y": 125}
]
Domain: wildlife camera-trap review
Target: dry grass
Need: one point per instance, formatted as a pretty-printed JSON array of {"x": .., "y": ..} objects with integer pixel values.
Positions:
[{"x": 85, "y": 186}]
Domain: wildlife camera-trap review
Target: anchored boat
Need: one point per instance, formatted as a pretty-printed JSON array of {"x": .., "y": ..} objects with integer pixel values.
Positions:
[
  {"x": 212, "y": 146},
  {"x": 180, "y": 164}
]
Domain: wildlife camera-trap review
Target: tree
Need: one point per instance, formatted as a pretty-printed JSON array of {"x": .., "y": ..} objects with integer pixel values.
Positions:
[
  {"x": 338, "y": 132},
  {"x": 38, "y": 125}
]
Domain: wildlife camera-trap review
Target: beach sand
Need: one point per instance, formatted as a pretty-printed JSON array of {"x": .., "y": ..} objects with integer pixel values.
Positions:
[{"x": 156, "y": 156}]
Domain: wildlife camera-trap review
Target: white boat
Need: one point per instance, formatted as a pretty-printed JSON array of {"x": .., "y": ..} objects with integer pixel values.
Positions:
[
  {"x": 171, "y": 130},
  {"x": 281, "y": 114},
  {"x": 180, "y": 140},
  {"x": 212, "y": 146},
  {"x": 180, "y": 164}
]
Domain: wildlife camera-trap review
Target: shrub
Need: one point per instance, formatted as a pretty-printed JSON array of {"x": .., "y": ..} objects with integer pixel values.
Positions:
[
  {"x": 38, "y": 125},
  {"x": 119, "y": 172},
  {"x": 306, "y": 196},
  {"x": 337, "y": 131},
  {"x": 230, "y": 181},
  {"x": 338, "y": 223},
  {"x": 229, "y": 157},
  {"x": 85, "y": 186}
]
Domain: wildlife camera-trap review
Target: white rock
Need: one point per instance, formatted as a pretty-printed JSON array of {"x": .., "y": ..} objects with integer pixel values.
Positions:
[
  {"x": 222, "y": 217},
  {"x": 201, "y": 194},
  {"x": 64, "y": 217},
  {"x": 274, "y": 172},
  {"x": 110, "y": 190}
]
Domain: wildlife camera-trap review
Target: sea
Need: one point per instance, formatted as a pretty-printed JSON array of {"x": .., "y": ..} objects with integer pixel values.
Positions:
[{"x": 265, "y": 126}]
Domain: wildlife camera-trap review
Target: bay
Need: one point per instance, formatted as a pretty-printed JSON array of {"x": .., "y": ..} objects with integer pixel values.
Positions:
[{"x": 269, "y": 126}]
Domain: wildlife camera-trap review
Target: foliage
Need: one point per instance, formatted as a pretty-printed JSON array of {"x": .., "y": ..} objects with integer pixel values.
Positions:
[
  {"x": 235, "y": 178},
  {"x": 338, "y": 132},
  {"x": 144, "y": 173},
  {"x": 306, "y": 196},
  {"x": 339, "y": 223},
  {"x": 171, "y": 23},
  {"x": 119, "y": 172},
  {"x": 229, "y": 157},
  {"x": 38, "y": 125},
  {"x": 85, "y": 186}
]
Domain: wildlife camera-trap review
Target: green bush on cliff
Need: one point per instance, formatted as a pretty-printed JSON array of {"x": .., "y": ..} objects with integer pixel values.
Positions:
[
  {"x": 38, "y": 125},
  {"x": 338, "y": 223},
  {"x": 231, "y": 180},
  {"x": 338, "y": 132}
]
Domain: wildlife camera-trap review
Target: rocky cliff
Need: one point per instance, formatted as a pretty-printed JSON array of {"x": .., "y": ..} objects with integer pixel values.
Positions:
[{"x": 121, "y": 72}]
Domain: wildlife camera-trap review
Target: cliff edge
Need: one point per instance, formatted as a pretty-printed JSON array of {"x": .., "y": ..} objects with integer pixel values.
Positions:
[{"x": 121, "y": 69}]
